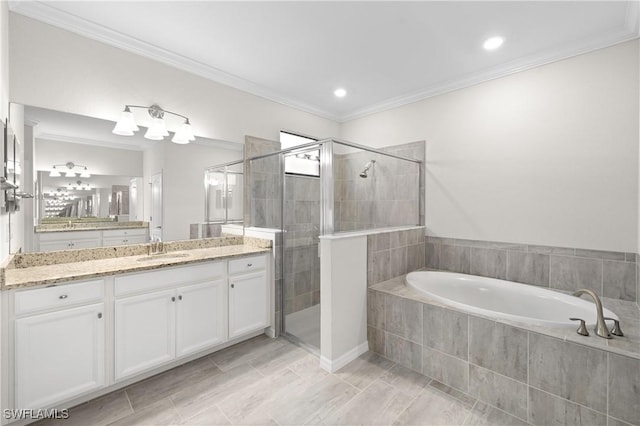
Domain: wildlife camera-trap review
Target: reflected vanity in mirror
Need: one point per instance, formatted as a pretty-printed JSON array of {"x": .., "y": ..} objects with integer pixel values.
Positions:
[{"x": 94, "y": 188}]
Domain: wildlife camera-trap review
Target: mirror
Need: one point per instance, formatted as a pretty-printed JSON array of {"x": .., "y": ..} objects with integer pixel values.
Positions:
[{"x": 101, "y": 180}]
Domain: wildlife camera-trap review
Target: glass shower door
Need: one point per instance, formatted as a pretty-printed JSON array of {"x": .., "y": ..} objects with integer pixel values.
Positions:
[{"x": 301, "y": 268}]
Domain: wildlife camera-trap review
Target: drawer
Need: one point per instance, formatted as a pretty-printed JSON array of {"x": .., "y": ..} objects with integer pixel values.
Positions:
[
  {"x": 247, "y": 264},
  {"x": 123, "y": 233},
  {"x": 59, "y": 296},
  {"x": 167, "y": 277},
  {"x": 70, "y": 235}
]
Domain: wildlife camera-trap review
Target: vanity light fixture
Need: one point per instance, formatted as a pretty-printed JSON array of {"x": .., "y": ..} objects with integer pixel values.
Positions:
[
  {"x": 157, "y": 130},
  {"x": 70, "y": 172}
]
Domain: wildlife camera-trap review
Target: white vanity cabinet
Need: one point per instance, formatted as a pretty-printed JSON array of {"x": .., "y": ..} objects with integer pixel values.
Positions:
[
  {"x": 248, "y": 295},
  {"x": 69, "y": 240},
  {"x": 168, "y": 314},
  {"x": 120, "y": 237},
  {"x": 59, "y": 335}
]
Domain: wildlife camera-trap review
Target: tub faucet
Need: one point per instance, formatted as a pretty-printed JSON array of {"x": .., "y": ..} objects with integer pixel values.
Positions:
[
  {"x": 156, "y": 245},
  {"x": 601, "y": 327}
]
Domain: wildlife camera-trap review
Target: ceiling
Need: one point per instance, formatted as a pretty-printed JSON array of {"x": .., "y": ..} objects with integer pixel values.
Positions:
[{"x": 384, "y": 54}]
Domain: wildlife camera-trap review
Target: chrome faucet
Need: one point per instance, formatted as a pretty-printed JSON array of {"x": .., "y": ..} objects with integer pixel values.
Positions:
[
  {"x": 155, "y": 245},
  {"x": 601, "y": 327}
]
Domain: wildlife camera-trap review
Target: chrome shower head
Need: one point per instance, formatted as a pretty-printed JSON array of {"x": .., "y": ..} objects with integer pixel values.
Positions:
[{"x": 363, "y": 174}]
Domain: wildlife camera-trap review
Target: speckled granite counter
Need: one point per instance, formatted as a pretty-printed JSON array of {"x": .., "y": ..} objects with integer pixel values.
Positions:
[
  {"x": 97, "y": 226},
  {"x": 36, "y": 269}
]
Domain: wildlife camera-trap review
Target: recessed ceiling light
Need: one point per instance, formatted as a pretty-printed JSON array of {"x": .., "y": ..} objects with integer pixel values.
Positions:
[
  {"x": 340, "y": 93},
  {"x": 493, "y": 43}
]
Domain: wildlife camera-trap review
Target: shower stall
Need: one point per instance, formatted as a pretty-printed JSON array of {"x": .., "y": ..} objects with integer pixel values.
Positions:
[{"x": 319, "y": 189}]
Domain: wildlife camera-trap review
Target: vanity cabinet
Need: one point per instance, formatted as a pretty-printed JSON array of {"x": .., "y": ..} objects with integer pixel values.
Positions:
[
  {"x": 248, "y": 295},
  {"x": 158, "y": 326},
  {"x": 59, "y": 349},
  {"x": 69, "y": 240},
  {"x": 122, "y": 237}
]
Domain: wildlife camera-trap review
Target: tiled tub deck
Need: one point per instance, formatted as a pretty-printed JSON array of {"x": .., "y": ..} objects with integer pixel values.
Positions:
[{"x": 539, "y": 375}]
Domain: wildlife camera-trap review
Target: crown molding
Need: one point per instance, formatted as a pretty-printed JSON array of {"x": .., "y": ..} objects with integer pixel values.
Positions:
[
  {"x": 532, "y": 61},
  {"x": 50, "y": 15}
]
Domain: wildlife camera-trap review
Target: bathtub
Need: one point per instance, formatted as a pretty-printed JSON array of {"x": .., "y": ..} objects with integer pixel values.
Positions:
[{"x": 519, "y": 303}]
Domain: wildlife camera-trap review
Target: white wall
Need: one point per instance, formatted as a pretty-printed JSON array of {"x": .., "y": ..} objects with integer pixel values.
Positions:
[
  {"x": 99, "y": 160},
  {"x": 56, "y": 69},
  {"x": 183, "y": 185},
  {"x": 546, "y": 156}
]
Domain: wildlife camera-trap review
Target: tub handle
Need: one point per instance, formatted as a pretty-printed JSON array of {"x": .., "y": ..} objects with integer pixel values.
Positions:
[
  {"x": 616, "y": 330},
  {"x": 582, "y": 329}
]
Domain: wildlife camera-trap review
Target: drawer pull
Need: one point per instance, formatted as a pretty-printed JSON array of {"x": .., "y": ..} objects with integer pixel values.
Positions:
[
  {"x": 233, "y": 286},
  {"x": 99, "y": 315},
  {"x": 63, "y": 296}
]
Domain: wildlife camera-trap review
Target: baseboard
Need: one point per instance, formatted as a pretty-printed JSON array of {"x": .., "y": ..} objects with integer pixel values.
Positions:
[{"x": 334, "y": 365}]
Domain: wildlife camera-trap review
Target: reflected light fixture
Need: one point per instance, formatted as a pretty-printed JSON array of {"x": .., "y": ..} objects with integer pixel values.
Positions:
[
  {"x": 157, "y": 130},
  {"x": 70, "y": 170}
]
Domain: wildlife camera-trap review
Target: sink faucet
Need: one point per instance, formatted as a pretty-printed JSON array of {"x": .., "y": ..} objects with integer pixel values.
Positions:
[
  {"x": 156, "y": 246},
  {"x": 601, "y": 326}
]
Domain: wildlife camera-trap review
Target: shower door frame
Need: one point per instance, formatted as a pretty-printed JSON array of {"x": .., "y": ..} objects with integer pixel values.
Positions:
[{"x": 327, "y": 199}]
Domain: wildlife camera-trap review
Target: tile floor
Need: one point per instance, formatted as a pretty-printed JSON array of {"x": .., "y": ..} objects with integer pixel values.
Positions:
[{"x": 272, "y": 382}]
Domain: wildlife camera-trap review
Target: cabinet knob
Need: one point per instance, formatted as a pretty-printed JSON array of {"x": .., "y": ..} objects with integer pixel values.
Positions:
[
  {"x": 233, "y": 286},
  {"x": 173, "y": 299},
  {"x": 99, "y": 315},
  {"x": 62, "y": 296},
  {"x": 249, "y": 265},
  {"x": 180, "y": 297}
]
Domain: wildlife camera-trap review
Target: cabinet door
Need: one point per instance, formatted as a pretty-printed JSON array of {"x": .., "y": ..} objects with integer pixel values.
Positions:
[
  {"x": 85, "y": 244},
  {"x": 59, "y": 355},
  {"x": 201, "y": 316},
  {"x": 144, "y": 332},
  {"x": 55, "y": 245},
  {"x": 247, "y": 303}
]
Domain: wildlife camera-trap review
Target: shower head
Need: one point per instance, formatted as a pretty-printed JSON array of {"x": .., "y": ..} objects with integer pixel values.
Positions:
[{"x": 363, "y": 174}]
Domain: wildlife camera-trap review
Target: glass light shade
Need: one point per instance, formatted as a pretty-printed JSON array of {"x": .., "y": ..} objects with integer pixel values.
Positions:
[
  {"x": 126, "y": 125},
  {"x": 157, "y": 131},
  {"x": 69, "y": 174},
  {"x": 85, "y": 173},
  {"x": 54, "y": 172},
  {"x": 184, "y": 134}
]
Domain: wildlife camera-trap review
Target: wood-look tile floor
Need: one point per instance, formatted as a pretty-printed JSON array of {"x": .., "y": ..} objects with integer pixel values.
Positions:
[{"x": 272, "y": 382}]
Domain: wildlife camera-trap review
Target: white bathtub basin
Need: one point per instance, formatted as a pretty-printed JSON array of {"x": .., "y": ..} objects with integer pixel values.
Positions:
[{"x": 521, "y": 303}]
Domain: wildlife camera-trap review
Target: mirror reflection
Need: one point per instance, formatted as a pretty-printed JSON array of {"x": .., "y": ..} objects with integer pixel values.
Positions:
[{"x": 94, "y": 188}]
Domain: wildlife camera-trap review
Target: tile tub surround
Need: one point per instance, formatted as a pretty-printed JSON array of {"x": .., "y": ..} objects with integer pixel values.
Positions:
[
  {"x": 610, "y": 274},
  {"x": 391, "y": 253},
  {"x": 539, "y": 375}
]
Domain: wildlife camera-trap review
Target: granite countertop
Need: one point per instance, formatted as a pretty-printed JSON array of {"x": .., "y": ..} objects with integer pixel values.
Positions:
[
  {"x": 628, "y": 312},
  {"x": 88, "y": 227},
  {"x": 62, "y": 272}
]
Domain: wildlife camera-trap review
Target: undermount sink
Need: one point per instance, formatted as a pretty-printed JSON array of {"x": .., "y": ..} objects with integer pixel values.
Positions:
[{"x": 162, "y": 256}]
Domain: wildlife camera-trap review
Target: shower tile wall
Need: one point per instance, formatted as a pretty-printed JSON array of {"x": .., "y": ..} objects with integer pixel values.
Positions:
[
  {"x": 394, "y": 253},
  {"x": 389, "y": 196},
  {"x": 262, "y": 184},
  {"x": 302, "y": 228},
  {"x": 609, "y": 274}
]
